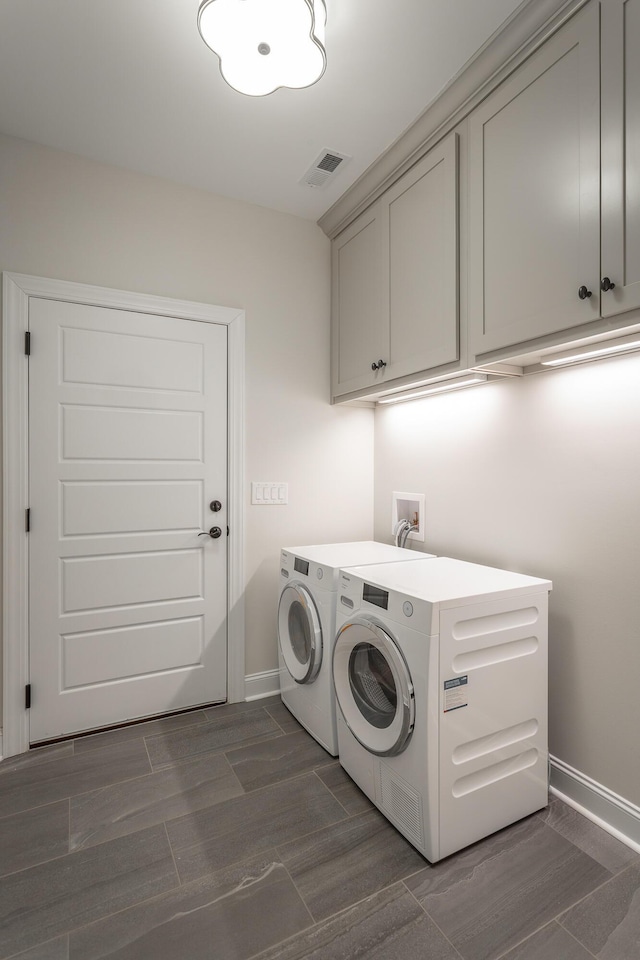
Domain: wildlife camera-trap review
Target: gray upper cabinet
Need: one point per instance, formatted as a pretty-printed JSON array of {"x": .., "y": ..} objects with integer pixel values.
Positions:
[
  {"x": 620, "y": 155},
  {"x": 534, "y": 204},
  {"x": 395, "y": 280},
  {"x": 359, "y": 328},
  {"x": 534, "y": 240}
]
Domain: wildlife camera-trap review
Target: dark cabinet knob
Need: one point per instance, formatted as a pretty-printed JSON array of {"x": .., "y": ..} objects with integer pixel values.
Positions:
[
  {"x": 583, "y": 293},
  {"x": 379, "y": 365},
  {"x": 215, "y": 505},
  {"x": 606, "y": 284}
]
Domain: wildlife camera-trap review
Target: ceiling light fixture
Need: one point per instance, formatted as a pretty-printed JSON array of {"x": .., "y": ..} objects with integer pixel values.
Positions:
[
  {"x": 607, "y": 348},
  {"x": 266, "y": 44},
  {"x": 441, "y": 387}
]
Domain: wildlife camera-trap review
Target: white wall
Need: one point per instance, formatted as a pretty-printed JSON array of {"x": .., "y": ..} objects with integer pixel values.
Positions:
[
  {"x": 542, "y": 476},
  {"x": 68, "y": 218}
]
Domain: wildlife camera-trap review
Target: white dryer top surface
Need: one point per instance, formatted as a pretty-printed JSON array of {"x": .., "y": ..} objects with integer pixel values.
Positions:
[
  {"x": 362, "y": 552},
  {"x": 445, "y": 581}
]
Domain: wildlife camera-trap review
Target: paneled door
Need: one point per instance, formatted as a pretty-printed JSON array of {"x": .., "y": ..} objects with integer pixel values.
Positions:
[
  {"x": 620, "y": 156},
  {"x": 128, "y": 454},
  {"x": 534, "y": 194}
]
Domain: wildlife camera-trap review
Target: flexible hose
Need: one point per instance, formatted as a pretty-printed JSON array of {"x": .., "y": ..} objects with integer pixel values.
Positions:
[{"x": 402, "y": 530}]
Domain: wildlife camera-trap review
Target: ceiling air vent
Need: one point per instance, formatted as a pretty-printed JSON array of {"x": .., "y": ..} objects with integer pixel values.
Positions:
[{"x": 324, "y": 169}]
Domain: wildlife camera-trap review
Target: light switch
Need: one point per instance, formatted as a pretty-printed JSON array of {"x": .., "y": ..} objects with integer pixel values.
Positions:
[{"x": 264, "y": 492}]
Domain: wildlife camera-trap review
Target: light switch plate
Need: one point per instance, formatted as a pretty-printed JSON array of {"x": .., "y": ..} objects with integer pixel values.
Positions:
[{"x": 269, "y": 492}]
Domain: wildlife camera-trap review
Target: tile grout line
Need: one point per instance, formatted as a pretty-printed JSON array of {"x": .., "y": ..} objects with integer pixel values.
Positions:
[
  {"x": 236, "y": 778},
  {"x": 180, "y": 886},
  {"x": 302, "y": 836},
  {"x": 173, "y": 857},
  {"x": 217, "y": 751},
  {"x": 144, "y": 776},
  {"x": 72, "y": 741},
  {"x": 314, "y": 922},
  {"x": 39, "y": 806},
  {"x": 610, "y": 837},
  {"x": 610, "y": 878},
  {"x": 534, "y": 933},
  {"x": 332, "y": 916},
  {"x": 279, "y": 724},
  {"x": 576, "y": 940},
  {"x": 71, "y": 930},
  {"x": 333, "y": 794},
  {"x": 41, "y": 863},
  {"x": 426, "y": 912},
  {"x": 131, "y": 906},
  {"x": 82, "y": 793},
  {"x": 43, "y": 943},
  {"x": 294, "y": 776},
  {"x": 163, "y": 822},
  {"x": 146, "y": 750}
]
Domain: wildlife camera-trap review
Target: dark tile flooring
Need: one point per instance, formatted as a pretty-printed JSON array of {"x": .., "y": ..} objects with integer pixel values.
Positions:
[{"x": 228, "y": 833}]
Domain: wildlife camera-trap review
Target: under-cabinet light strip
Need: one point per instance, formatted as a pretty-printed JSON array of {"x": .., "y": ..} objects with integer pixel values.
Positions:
[
  {"x": 606, "y": 349},
  {"x": 437, "y": 388}
]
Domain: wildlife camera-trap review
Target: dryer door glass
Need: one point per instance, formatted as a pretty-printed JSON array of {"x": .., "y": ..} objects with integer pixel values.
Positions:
[
  {"x": 299, "y": 633},
  {"x": 373, "y": 687}
]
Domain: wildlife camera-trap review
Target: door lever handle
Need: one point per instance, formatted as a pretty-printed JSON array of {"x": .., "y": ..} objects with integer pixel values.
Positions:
[{"x": 214, "y": 533}]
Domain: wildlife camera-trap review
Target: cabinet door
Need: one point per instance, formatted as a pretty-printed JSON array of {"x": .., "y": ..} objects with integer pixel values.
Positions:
[
  {"x": 534, "y": 194},
  {"x": 359, "y": 321},
  {"x": 621, "y": 154},
  {"x": 420, "y": 245}
]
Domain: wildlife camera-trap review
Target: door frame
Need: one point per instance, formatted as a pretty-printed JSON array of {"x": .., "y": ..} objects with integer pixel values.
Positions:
[{"x": 17, "y": 289}]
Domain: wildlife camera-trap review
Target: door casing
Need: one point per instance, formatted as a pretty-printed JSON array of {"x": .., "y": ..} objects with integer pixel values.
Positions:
[{"x": 17, "y": 289}]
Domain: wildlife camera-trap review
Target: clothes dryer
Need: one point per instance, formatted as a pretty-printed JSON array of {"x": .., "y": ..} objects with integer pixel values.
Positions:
[
  {"x": 440, "y": 672},
  {"x": 306, "y": 626}
]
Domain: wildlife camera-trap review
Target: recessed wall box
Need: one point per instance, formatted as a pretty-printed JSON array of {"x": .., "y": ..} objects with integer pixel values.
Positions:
[{"x": 408, "y": 506}]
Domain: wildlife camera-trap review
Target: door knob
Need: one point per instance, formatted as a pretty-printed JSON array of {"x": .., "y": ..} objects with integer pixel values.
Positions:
[
  {"x": 379, "y": 365},
  {"x": 607, "y": 284},
  {"x": 583, "y": 293},
  {"x": 215, "y": 505},
  {"x": 214, "y": 533}
]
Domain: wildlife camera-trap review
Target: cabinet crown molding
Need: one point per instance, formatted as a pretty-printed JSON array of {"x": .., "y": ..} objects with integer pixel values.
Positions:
[{"x": 522, "y": 33}]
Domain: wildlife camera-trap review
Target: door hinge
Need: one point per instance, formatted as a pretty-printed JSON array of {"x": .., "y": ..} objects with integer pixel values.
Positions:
[
  {"x": 27, "y": 696},
  {"x": 27, "y": 520},
  {"x": 27, "y": 343}
]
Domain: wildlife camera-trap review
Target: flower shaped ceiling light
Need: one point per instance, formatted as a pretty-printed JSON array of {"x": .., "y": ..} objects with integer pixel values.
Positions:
[{"x": 266, "y": 44}]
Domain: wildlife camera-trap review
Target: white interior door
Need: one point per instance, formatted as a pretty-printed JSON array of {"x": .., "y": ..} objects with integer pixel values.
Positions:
[{"x": 127, "y": 449}]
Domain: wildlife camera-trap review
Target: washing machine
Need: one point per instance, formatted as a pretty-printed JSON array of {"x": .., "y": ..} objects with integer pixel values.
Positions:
[
  {"x": 440, "y": 674},
  {"x": 306, "y": 626}
]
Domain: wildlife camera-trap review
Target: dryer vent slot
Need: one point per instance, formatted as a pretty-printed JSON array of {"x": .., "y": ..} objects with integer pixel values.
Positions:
[
  {"x": 474, "y": 659},
  {"x": 403, "y": 805},
  {"x": 495, "y": 623},
  {"x": 497, "y": 771},
  {"x": 493, "y": 742}
]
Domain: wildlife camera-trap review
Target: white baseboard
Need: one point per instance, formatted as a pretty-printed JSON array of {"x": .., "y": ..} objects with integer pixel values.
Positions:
[
  {"x": 265, "y": 684},
  {"x": 613, "y": 813}
]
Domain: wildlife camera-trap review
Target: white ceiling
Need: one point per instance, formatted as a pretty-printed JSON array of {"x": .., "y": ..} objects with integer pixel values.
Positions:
[{"x": 130, "y": 82}]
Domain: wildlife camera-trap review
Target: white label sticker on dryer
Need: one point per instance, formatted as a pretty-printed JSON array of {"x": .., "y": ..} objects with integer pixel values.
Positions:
[{"x": 455, "y": 694}]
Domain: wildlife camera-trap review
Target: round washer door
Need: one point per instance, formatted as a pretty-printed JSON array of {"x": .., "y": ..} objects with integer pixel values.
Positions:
[
  {"x": 299, "y": 632},
  {"x": 373, "y": 687}
]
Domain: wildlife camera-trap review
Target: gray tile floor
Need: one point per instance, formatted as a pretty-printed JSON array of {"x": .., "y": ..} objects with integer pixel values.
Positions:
[{"x": 228, "y": 833}]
